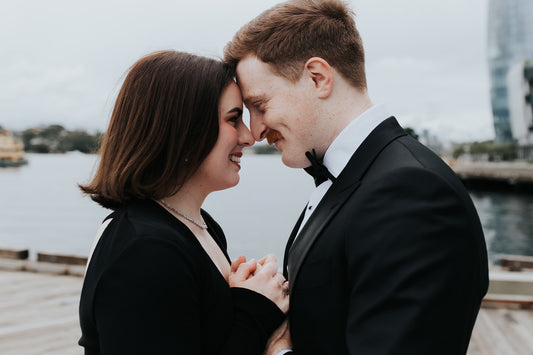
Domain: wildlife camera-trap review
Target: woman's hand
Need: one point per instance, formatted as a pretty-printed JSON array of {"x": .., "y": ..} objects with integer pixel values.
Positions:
[
  {"x": 262, "y": 277},
  {"x": 280, "y": 340}
]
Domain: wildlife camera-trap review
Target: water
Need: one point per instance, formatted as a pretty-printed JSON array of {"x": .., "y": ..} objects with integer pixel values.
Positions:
[
  {"x": 507, "y": 219},
  {"x": 42, "y": 210}
]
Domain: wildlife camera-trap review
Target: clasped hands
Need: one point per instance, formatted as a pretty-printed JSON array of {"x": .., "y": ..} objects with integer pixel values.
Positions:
[{"x": 262, "y": 277}]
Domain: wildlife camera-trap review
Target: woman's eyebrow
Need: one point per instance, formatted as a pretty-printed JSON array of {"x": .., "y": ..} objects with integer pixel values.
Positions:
[{"x": 236, "y": 109}]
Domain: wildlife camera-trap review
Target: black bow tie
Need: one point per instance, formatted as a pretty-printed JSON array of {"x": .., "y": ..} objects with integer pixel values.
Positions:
[{"x": 317, "y": 169}]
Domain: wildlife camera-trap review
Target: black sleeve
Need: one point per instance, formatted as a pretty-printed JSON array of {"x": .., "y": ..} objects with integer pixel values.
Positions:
[
  {"x": 149, "y": 302},
  {"x": 255, "y": 319},
  {"x": 414, "y": 267}
]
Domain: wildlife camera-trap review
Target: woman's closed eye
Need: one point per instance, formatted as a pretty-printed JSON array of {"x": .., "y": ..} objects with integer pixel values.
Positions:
[
  {"x": 234, "y": 120},
  {"x": 235, "y": 117}
]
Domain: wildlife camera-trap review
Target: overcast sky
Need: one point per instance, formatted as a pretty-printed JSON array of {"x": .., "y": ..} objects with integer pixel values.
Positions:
[{"x": 62, "y": 61}]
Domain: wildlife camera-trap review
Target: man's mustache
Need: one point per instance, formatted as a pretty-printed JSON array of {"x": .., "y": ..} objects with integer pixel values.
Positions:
[{"x": 273, "y": 136}]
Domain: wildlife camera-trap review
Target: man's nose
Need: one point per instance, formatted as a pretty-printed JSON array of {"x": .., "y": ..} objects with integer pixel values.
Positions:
[{"x": 258, "y": 128}]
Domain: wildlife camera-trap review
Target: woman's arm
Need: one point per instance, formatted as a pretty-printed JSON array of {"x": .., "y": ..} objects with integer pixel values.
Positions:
[{"x": 150, "y": 301}]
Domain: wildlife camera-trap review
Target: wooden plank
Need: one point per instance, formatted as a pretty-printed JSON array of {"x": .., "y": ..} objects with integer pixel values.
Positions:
[
  {"x": 42, "y": 267},
  {"x": 493, "y": 338},
  {"x": 516, "y": 335},
  {"x": 523, "y": 332},
  {"x": 516, "y": 262},
  {"x": 521, "y": 301},
  {"x": 54, "y": 268},
  {"x": 480, "y": 342},
  {"x": 62, "y": 259},
  {"x": 40, "y": 316},
  {"x": 14, "y": 254}
]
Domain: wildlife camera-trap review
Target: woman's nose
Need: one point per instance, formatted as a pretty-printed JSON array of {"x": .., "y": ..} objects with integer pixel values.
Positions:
[{"x": 245, "y": 136}]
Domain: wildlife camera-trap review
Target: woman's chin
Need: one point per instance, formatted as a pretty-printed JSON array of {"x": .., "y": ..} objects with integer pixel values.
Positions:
[
  {"x": 228, "y": 184},
  {"x": 235, "y": 182}
]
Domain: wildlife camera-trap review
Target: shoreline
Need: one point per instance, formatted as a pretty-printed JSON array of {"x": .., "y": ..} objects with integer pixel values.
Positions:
[{"x": 495, "y": 176}]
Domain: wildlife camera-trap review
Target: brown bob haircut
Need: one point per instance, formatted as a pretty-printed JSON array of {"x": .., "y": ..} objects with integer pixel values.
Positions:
[
  {"x": 290, "y": 33},
  {"x": 163, "y": 125}
]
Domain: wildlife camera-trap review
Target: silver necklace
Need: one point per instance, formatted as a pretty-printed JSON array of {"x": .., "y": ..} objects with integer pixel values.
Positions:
[{"x": 190, "y": 219}]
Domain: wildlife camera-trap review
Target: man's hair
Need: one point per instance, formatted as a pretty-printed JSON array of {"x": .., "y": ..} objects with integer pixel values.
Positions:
[
  {"x": 290, "y": 33},
  {"x": 163, "y": 125}
]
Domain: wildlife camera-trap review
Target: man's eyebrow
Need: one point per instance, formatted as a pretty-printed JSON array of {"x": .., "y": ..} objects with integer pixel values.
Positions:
[{"x": 252, "y": 98}]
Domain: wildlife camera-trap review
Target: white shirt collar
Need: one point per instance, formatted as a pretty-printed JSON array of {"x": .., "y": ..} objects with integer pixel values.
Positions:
[{"x": 346, "y": 143}]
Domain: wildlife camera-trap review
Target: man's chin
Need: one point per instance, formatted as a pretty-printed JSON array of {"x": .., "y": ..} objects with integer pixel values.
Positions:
[{"x": 290, "y": 162}]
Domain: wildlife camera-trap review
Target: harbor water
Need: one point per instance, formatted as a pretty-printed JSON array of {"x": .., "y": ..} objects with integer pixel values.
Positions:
[{"x": 41, "y": 208}]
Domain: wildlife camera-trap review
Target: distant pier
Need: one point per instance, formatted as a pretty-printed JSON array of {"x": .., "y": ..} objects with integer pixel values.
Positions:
[{"x": 500, "y": 175}]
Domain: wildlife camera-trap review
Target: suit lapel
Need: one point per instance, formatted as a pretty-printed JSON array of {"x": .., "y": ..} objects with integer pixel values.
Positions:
[
  {"x": 290, "y": 241},
  {"x": 345, "y": 185}
]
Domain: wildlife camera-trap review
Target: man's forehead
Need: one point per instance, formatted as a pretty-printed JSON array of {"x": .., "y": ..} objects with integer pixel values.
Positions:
[
  {"x": 253, "y": 77},
  {"x": 251, "y": 68},
  {"x": 250, "y": 90}
]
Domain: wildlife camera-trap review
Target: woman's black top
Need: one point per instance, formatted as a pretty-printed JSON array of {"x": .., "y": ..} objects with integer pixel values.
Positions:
[{"x": 150, "y": 288}]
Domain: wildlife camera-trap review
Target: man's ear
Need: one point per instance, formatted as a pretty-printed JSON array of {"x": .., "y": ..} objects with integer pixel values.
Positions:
[{"x": 321, "y": 73}]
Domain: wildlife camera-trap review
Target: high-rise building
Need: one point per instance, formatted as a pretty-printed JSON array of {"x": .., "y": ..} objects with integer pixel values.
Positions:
[
  {"x": 520, "y": 89},
  {"x": 510, "y": 40}
]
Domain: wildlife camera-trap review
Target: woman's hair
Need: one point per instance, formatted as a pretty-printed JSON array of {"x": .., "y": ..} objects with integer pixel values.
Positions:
[
  {"x": 290, "y": 33},
  {"x": 163, "y": 125}
]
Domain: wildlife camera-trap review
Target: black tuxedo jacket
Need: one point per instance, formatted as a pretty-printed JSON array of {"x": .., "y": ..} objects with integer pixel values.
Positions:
[{"x": 393, "y": 259}]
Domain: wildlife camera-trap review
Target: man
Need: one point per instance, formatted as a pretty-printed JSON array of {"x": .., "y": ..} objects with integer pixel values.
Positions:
[{"x": 388, "y": 256}]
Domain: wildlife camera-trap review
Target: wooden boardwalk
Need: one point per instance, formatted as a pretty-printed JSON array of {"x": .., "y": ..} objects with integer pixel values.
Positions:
[{"x": 39, "y": 315}]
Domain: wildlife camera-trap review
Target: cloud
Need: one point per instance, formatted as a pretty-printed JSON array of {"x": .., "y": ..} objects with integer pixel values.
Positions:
[
  {"x": 63, "y": 61},
  {"x": 431, "y": 95}
]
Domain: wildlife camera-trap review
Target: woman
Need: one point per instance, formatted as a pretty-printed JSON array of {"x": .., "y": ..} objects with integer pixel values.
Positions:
[{"x": 159, "y": 279}]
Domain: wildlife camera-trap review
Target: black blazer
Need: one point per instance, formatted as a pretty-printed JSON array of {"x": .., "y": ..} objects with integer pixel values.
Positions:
[
  {"x": 393, "y": 259},
  {"x": 150, "y": 288}
]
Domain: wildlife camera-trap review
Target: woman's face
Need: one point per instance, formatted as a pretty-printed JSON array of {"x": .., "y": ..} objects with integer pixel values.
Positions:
[{"x": 220, "y": 169}]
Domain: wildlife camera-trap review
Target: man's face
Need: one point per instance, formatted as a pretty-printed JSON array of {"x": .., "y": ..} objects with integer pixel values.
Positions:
[{"x": 280, "y": 110}]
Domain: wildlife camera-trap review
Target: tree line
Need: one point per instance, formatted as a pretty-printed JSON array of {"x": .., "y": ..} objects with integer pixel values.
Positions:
[
  {"x": 487, "y": 150},
  {"x": 56, "y": 139}
]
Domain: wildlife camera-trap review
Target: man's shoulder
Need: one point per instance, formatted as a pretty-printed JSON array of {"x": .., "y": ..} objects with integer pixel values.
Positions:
[{"x": 407, "y": 152}]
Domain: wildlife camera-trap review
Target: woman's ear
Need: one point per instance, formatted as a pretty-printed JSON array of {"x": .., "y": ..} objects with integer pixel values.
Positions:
[{"x": 321, "y": 73}]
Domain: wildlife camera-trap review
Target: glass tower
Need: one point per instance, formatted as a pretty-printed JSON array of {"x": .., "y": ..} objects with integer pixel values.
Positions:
[{"x": 510, "y": 40}]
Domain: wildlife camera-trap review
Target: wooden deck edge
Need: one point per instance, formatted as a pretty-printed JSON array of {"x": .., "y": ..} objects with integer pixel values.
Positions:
[
  {"x": 516, "y": 262},
  {"x": 504, "y": 300},
  {"x": 17, "y": 254},
  {"x": 42, "y": 267},
  {"x": 62, "y": 259}
]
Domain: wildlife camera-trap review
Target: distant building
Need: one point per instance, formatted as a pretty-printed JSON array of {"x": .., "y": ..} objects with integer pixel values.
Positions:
[
  {"x": 510, "y": 40},
  {"x": 11, "y": 150},
  {"x": 520, "y": 88}
]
